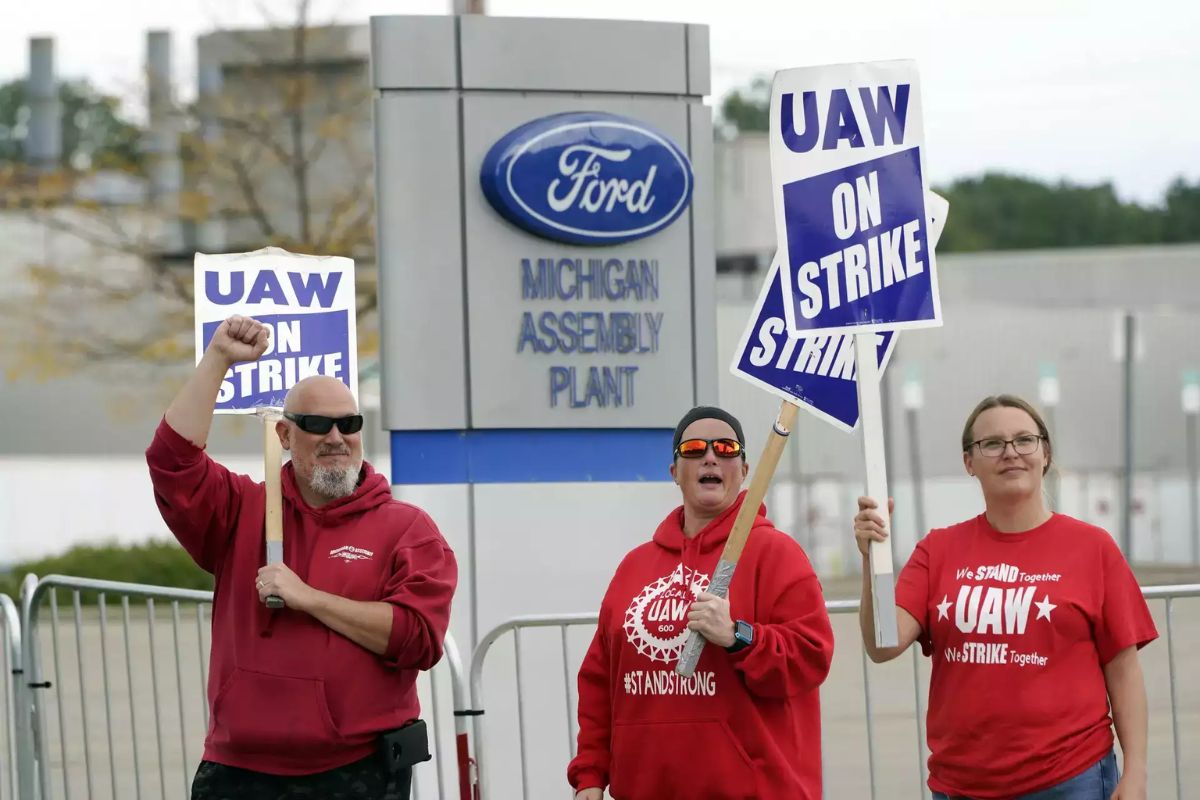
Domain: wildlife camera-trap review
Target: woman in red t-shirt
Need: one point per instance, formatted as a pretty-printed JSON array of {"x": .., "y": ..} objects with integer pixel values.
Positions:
[{"x": 1032, "y": 620}]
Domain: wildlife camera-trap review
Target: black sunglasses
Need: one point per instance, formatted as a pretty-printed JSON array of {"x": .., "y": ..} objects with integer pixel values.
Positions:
[{"x": 315, "y": 423}]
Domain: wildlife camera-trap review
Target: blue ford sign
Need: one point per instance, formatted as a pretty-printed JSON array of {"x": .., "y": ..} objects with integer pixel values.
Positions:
[{"x": 587, "y": 178}]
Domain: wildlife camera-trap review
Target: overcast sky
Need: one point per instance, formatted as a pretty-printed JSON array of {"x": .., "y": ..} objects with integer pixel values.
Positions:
[{"x": 1088, "y": 91}]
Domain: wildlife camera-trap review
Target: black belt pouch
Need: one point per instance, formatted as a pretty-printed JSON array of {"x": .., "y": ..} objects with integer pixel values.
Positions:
[{"x": 404, "y": 746}]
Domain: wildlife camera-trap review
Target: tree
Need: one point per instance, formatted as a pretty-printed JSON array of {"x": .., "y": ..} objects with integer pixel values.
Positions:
[
  {"x": 94, "y": 132},
  {"x": 749, "y": 108},
  {"x": 1181, "y": 218},
  {"x": 1003, "y": 212},
  {"x": 277, "y": 151},
  {"x": 996, "y": 211},
  {"x": 286, "y": 143}
]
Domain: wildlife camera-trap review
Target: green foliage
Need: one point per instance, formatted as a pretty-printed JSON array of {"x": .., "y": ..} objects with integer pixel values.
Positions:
[
  {"x": 159, "y": 563},
  {"x": 748, "y": 109},
  {"x": 94, "y": 134},
  {"x": 1006, "y": 212},
  {"x": 1181, "y": 217}
]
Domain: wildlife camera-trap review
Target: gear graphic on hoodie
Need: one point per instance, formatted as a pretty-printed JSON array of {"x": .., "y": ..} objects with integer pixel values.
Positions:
[{"x": 656, "y": 620}]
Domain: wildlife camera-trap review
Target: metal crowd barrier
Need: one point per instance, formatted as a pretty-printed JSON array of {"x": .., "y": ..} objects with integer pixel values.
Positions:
[
  {"x": 456, "y": 771},
  {"x": 69, "y": 726},
  {"x": 123, "y": 715},
  {"x": 516, "y": 625},
  {"x": 1167, "y": 594},
  {"x": 10, "y": 622}
]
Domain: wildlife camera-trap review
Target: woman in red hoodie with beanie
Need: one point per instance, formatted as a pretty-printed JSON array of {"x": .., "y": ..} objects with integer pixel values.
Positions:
[{"x": 747, "y": 724}]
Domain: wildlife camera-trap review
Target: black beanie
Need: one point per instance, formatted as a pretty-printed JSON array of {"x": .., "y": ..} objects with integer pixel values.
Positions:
[{"x": 707, "y": 412}]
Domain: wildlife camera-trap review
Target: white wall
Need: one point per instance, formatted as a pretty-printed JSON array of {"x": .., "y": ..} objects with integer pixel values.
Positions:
[{"x": 49, "y": 504}]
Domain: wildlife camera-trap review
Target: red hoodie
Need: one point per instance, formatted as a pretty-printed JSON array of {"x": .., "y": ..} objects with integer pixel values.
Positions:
[
  {"x": 288, "y": 695},
  {"x": 746, "y": 725}
]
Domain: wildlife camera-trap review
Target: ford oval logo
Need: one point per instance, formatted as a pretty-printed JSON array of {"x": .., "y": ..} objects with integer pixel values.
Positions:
[{"x": 587, "y": 178}]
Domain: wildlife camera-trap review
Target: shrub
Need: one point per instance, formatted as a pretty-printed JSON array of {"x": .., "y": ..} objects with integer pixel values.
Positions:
[{"x": 156, "y": 562}]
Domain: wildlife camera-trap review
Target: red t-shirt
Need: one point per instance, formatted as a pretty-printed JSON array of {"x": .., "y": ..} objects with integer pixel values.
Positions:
[{"x": 1019, "y": 627}]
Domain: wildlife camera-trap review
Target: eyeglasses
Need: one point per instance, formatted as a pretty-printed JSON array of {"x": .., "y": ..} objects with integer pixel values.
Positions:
[
  {"x": 319, "y": 425},
  {"x": 1025, "y": 445},
  {"x": 696, "y": 448}
]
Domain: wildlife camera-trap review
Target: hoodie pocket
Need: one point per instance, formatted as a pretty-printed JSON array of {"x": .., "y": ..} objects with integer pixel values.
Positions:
[
  {"x": 256, "y": 712},
  {"x": 684, "y": 759}
]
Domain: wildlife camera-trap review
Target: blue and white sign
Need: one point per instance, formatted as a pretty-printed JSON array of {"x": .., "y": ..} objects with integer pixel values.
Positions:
[
  {"x": 307, "y": 301},
  {"x": 587, "y": 178},
  {"x": 849, "y": 181},
  {"x": 816, "y": 371}
]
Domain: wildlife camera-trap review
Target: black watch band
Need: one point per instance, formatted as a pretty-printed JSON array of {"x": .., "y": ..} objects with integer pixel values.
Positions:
[{"x": 743, "y": 636}]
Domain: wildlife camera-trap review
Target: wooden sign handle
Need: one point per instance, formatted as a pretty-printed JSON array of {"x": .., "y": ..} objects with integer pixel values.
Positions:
[
  {"x": 759, "y": 483},
  {"x": 272, "y": 465}
]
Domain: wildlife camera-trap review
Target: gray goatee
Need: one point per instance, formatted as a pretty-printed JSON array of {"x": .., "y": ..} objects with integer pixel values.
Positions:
[{"x": 334, "y": 482}]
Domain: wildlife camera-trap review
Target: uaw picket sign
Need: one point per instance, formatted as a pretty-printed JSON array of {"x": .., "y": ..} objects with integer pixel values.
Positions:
[
  {"x": 853, "y": 245},
  {"x": 587, "y": 178},
  {"x": 849, "y": 180},
  {"x": 816, "y": 371},
  {"x": 308, "y": 303},
  {"x": 547, "y": 268}
]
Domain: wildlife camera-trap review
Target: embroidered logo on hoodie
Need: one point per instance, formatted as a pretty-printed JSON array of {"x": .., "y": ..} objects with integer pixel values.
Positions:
[
  {"x": 351, "y": 553},
  {"x": 656, "y": 620}
]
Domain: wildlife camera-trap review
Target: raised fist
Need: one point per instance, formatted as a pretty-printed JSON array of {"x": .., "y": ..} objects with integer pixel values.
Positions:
[{"x": 240, "y": 339}]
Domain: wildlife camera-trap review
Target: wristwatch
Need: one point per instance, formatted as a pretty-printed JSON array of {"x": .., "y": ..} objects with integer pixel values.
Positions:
[{"x": 743, "y": 636}]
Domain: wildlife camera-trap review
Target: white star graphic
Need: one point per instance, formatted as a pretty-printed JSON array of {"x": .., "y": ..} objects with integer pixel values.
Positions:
[
  {"x": 944, "y": 607},
  {"x": 1044, "y": 608}
]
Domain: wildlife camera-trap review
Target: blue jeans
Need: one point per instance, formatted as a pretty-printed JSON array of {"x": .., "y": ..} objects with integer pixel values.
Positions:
[{"x": 1097, "y": 782}]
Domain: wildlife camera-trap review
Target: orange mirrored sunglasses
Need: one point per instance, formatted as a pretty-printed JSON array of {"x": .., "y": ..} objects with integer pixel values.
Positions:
[{"x": 696, "y": 448}]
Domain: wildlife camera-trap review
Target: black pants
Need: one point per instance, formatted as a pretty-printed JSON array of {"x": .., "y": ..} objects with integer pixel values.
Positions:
[{"x": 360, "y": 780}]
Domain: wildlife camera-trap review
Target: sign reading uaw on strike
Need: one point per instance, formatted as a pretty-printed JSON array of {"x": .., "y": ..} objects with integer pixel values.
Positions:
[
  {"x": 816, "y": 371},
  {"x": 855, "y": 226},
  {"x": 849, "y": 180},
  {"x": 308, "y": 303},
  {"x": 854, "y": 263}
]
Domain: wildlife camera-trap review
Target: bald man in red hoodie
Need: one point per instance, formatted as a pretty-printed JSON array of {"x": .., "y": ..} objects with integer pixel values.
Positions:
[
  {"x": 747, "y": 724},
  {"x": 300, "y": 697}
]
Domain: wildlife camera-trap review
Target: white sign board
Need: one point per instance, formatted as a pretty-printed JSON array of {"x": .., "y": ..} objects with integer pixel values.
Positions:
[
  {"x": 307, "y": 301},
  {"x": 815, "y": 371},
  {"x": 849, "y": 182}
]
